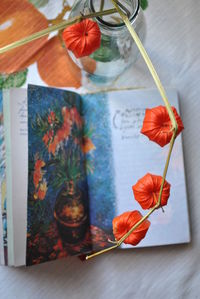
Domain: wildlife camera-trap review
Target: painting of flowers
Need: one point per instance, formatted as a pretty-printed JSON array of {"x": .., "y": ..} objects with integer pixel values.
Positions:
[
  {"x": 57, "y": 189},
  {"x": 64, "y": 175}
]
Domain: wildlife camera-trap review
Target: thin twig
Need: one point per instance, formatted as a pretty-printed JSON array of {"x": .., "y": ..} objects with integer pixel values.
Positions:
[
  {"x": 56, "y": 27},
  {"x": 172, "y": 118},
  {"x": 102, "y": 5}
]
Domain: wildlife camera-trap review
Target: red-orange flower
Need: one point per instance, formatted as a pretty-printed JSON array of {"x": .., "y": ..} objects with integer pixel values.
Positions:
[
  {"x": 123, "y": 223},
  {"x": 157, "y": 125},
  {"x": 147, "y": 189},
  {"x": 51, "y": 117},
  {"x": 87, "y": 145},
  {"x": 75, "y": 117},
  {"x": 42, "y": 190},
  {"x": 82, "y": 38},
  {"x": 37, "y": 175}
]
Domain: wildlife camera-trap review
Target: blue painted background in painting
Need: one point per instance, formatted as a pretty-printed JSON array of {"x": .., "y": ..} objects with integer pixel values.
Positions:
[{"x": 101, "y": 181}]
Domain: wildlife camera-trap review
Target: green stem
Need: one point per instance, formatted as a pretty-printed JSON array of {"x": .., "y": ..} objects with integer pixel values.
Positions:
[{"x": 56, "y": 27}]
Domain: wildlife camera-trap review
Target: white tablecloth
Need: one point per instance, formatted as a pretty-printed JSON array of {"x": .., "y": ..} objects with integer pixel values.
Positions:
[{"x": 166, "y": 272}]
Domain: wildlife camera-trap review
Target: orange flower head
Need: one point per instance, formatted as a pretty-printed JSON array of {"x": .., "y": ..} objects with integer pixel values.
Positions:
[
  {"x": 37, "y": 177},
  {"x": 87, "y": 145},
  {"x": 82, "y": 38},
  {"x": 147, "y": 189},
  {"x": 42, "y": 190},
  {"x": 123, "y": 223},
  {"x": 39, "y": 164},
  {"x": 51, "y": 117},
  {"x": 53, "y": 146},
  {"x": 75, "y": 117},
  {"x": 45, "y": 139},
  {"x": 157, "y": 125}
]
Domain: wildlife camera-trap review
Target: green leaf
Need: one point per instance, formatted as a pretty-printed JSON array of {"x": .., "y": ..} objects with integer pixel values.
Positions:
[
  {"x": 144, "y": 4},
  {"x": 39, "y": 3},
  {"x": 13, "y": 80}
]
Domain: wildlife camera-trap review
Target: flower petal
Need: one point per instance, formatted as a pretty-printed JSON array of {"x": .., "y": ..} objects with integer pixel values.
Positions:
[
  {"x": 157, "y": 125},
  {"x": 24, "y": 20},
  {"x": 55, "y": 66},
  {"x": 147, "y": 189},
  {"x": 123, "y": 223},
  {"x": 82, "y": 38}
]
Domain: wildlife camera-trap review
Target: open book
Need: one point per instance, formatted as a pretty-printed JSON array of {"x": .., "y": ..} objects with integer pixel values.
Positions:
[{"x": 68, "y": 163}]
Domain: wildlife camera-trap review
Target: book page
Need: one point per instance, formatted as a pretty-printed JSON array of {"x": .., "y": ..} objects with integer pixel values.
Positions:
[
  {"x": 18, "y": 170},
  {"x": 118, "y": 156},
  {"x": 2, "y": 183},
  {"x": 134, "y": 156}
]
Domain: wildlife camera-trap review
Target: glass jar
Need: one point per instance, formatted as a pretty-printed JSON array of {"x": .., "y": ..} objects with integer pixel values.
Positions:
[{"x": 118, "y": 50}]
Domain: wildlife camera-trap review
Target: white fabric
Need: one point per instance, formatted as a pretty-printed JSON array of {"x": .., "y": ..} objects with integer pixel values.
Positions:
[{"x": 168, "y": 272}]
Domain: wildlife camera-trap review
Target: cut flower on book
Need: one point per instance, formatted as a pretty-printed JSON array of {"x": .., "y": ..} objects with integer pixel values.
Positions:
[
  {"x": 157, "y": 125},
  {"x": 123, "y": 223},
  {"x": 82, "y": 38},
  {"x": 147, "y": 189}
]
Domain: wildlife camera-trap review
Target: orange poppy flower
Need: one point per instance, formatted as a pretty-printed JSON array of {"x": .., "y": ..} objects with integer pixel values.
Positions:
[
  {"x": 157, "y": 125},
  {"x": 123, "y": 223},
  {"x": 39, "y": 164},
  {"x": 37, "y": 176},
  {"x": 87, "y": 145},
  {"x": 42, "y": 190},
  {"x": 147, "y": 189},
  {"x": 53, "y": 145},
  {"x": 82, "y": 38},
  {"x": 51, "y": 117},
  {"x": 75, "y": 117},
  {"x": 45, "y": 139}
]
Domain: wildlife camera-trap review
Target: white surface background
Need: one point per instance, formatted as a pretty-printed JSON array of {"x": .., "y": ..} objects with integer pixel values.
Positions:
[{"x": 168, "y": 272}]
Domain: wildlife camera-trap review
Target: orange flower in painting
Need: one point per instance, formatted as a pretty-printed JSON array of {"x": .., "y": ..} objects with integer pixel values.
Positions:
[
  {"x": 51, "y": 117},
  {"x": 39, "y": 164},
  {"x": 53, "y": 145},
  {"x": 75, "y": 117},
  {"x": 82, "y": 38},
  {"x": 147, "y": 189},
  {"x": 45, "y": 139},
  {"x": 157, "y": 125},
  {"x": 42, "y": 190},
  {"x": 37, "y": 175},
  {"x": 123, "y": 223},
  {"x": 87, "y": 145}
]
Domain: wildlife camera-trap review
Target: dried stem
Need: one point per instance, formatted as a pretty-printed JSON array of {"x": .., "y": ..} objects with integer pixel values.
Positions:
[
  {"x": 56, "y": 27},
  {"x": 172, "y": 118},
  {"x": 101, "y": 5}
]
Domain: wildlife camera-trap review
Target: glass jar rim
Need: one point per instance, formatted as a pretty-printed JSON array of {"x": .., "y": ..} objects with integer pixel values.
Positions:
[{"x": 117, "y": 26}]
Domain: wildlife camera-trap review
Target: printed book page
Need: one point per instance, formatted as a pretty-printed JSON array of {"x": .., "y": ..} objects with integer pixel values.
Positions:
[
  {"x": 17, "y": 178},
  {"x": 122, "y": 156},
  {"x": 134, "y": 156}
]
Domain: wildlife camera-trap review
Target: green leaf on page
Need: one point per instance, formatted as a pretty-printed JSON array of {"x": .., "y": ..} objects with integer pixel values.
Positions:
[
  {"x": 144, "y": 4},
  {"x": 13, "y": 80}
]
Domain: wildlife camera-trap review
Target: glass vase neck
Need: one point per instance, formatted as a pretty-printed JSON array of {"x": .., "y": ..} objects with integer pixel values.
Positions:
[{"x": 113, "y": 22}]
